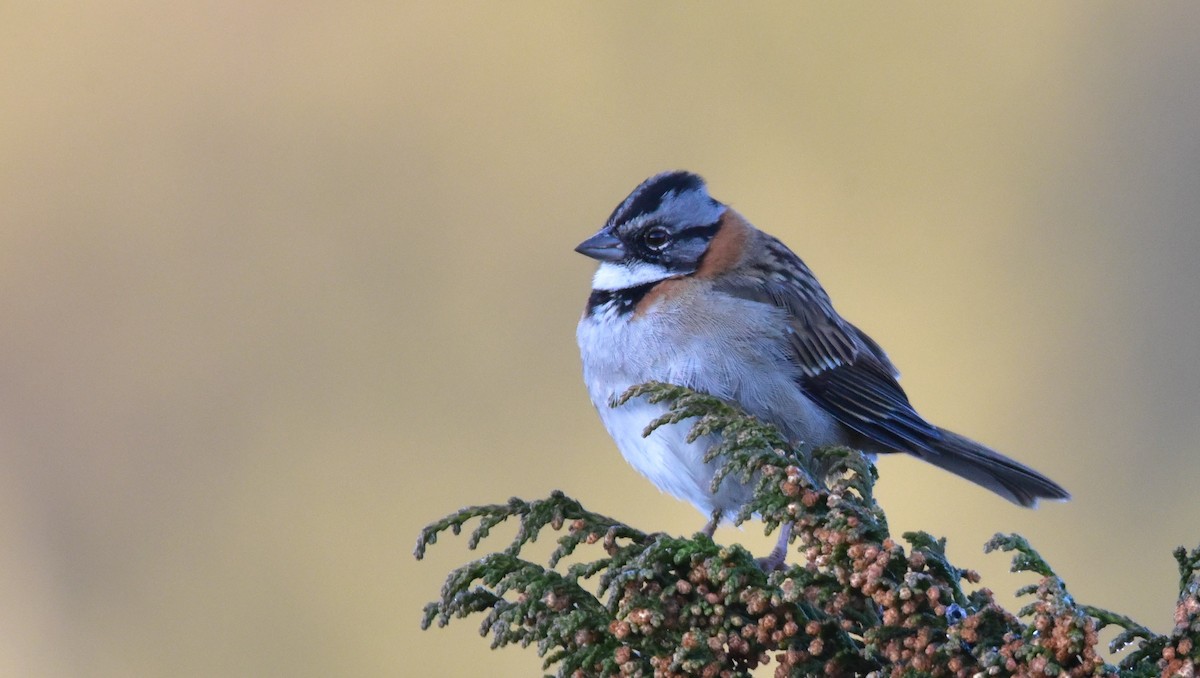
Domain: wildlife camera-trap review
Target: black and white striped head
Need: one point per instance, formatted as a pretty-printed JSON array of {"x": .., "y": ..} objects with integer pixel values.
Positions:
[{"x": 660, "y": 231}]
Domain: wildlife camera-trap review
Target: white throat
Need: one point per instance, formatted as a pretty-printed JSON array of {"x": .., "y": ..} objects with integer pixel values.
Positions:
[{"x": 619, "y": 276}]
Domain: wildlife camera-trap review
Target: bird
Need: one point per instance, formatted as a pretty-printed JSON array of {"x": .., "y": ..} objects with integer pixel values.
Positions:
[{"x": 688, "y": 292}]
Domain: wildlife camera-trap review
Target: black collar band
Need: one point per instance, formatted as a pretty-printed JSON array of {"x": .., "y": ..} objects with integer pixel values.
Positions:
[{"x": 623, "y": 302}]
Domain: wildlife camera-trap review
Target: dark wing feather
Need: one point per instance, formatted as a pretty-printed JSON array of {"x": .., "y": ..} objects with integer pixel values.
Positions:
[
  {"x": 842, "y": 369},
  {"x": 875, "y": 350},
  {"x": 864, "y": 397}
]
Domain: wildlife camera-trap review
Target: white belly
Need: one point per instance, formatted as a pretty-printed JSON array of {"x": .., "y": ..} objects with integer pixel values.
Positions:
[
  {"x": 723, "y": 356},
  {"x": 674, "y": 465}
]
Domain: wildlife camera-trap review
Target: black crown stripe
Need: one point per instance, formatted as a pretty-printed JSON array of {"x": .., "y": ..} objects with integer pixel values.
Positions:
[{"x": 647, "y": 198}]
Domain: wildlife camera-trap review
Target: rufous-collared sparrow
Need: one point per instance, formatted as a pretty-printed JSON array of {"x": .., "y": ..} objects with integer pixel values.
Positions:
[{"x": 689, "y": 293}]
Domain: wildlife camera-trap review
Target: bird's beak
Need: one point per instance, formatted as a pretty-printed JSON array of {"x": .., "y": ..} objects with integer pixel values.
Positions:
[{"x": 603, "y": 247}]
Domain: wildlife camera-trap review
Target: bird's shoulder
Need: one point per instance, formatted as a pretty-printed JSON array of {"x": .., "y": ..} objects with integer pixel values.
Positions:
[
  {"x": 767, "y": 272},
  {"x": 840, "y": 367}
]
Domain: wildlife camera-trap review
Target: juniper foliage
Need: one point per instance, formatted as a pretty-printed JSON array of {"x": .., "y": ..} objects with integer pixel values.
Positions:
[{"x": 856, "y": 602}]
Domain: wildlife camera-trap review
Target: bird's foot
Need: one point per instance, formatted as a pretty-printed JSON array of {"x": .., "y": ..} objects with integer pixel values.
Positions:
[{"x": 777, "y": 559}]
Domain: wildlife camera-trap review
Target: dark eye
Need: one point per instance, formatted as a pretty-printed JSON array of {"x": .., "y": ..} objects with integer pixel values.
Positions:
[{"x": 656, "y": 238}]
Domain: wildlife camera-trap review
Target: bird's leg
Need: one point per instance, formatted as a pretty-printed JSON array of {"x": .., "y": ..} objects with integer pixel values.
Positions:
[
  {"x": 711, "y": 526},
  {"x": 778, "y": 556}
]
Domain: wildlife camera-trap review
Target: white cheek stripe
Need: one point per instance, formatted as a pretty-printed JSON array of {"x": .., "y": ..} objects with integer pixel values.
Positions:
[{"x": 612, "y": 276}]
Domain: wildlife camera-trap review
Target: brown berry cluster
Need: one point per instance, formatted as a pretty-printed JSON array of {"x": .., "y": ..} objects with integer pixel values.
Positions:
[
  {"x": 1060, "y": 639},
  {"x": 1181, "y": 655},
  {"x": 717, "y": 618}
]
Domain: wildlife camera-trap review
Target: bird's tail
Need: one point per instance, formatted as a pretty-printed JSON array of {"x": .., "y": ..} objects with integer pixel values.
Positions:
[{"x": 1013, "y": 481}]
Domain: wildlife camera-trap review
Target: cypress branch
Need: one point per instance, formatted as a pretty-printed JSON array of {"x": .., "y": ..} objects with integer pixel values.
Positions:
[{"x": 856, "y": 603}]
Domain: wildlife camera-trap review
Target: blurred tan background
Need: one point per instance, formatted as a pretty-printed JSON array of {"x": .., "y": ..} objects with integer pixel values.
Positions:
[{"x": 281, "y": 283}]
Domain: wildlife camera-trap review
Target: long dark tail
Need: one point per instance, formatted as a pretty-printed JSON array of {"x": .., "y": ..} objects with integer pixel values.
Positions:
[{"x": 968, "y": 459}]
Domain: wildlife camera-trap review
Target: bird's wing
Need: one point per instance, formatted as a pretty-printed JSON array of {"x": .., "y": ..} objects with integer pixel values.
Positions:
[
  {"x": 841, "y": 368},
  {"x": 874, "y": 349}
]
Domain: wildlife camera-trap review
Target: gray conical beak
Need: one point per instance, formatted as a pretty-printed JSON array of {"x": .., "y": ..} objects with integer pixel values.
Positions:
[{"x": 603, "y": 247}]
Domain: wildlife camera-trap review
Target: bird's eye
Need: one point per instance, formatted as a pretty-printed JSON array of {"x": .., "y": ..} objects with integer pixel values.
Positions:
[{"x": 656, "y": 238}]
